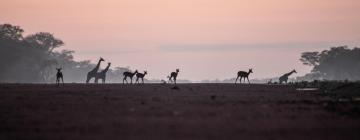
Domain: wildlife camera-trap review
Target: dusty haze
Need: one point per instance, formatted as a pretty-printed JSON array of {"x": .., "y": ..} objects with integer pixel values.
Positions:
[{"x": 206, "y": 39}]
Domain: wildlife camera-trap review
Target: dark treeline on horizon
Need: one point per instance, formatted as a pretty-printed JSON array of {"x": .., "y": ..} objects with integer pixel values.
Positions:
[
  {"x": 337, "y": 63},
  {"x": 33, "y": 59}
]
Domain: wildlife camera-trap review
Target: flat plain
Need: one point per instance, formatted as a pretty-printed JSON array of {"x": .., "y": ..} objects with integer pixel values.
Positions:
[{"x": 159, "y": 112}]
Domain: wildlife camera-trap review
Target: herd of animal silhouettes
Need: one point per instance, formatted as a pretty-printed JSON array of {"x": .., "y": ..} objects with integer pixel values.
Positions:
[{"x": 172, "y": 77}]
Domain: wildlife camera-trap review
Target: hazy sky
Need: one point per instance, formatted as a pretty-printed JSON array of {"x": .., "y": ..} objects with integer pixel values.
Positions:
[{"x": 206, "y": 39}]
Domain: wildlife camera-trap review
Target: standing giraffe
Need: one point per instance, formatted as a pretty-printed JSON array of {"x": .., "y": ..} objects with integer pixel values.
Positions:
[
  {"x": 59, "y": 76},
  {"x": 102, "y": 74},
  {"x": 93, "y": 72},
  {"x": 285, "y": 77},
  {"x": 141, "y": 76},
  {"x": 244, "y": 74},
  {"x": 130, "y": 75},
  {"x": 174, "y": 75}
]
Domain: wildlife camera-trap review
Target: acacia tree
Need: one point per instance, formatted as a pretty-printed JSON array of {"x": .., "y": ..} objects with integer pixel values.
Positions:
[
  {"x": 338, "y": 63},
  {"x": 310, "y": 58},
  {"x": 34, "y": 58},
  {"x": 45, "y": 41},
  {"x": 10, "y": 32}
]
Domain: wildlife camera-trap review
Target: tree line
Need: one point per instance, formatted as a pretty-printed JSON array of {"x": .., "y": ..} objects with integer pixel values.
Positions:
[
  {"x": 33, "y": 59},
  {"x": 337, "y": 63}
]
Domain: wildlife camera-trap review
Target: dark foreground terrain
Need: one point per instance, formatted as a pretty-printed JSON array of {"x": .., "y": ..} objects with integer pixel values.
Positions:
[{"x": 157, "y": 112}]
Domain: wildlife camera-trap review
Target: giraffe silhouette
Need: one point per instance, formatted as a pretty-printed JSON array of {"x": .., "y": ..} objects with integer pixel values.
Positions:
[
  {"x": 141, "y": 76},
  {"x": 285, "y": 77},
  {"x": 59, "y": 76},
  {"x": 243, "y": 74},
  {"x": 130, "y": 75},
  {"x": 173, "y": 75},
  {"x": 102, "y": 74},
  {"x": 93, "y": 73}
]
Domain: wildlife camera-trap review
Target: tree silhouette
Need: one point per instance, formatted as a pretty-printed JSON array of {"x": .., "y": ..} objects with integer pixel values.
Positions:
[
  {"x": 310, "y": 58},
  {"x": 33, "y": 58},
  {"x": 338, "y": 63},
  {"x": 10, "y": 32},
  {"x": 44, "y": 40}
]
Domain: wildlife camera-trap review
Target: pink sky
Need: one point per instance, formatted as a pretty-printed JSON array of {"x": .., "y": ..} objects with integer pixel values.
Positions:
[{"x": 206, "y": 39}]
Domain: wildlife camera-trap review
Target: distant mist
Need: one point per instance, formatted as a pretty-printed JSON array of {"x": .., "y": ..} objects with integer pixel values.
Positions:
[{"x": 33, "y": 59}]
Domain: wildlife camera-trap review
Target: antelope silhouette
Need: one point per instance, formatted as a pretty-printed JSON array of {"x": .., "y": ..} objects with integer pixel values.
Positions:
[
  {"x": 243, "y": 74},
  {"x": 130, "y": 75},
  {"x": 102, "y": 74},
  {"x": 141, "y": 76},
  {"x": 59, "y": 76},
  {"x": 169, "y": 79},
  {"x": 93, "y": 73},
  {"x": 285, "y": 77},
  {"x": 174, "y": 75}
]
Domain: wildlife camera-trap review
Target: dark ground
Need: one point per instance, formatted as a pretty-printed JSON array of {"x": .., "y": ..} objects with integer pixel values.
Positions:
[{"x": 157, "y": 112}]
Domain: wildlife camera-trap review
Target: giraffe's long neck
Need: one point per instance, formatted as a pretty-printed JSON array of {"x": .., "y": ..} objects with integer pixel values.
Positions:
[
  {"x": 97, "y": 66},
  {"x": 106, "y": 69},
  {"x": 288, "y": 74}
]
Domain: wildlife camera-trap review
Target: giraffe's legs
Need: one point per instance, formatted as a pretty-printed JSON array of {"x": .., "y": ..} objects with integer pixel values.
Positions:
[
  {"x": 96, "y": 80},
  {"x": 88, "y": 78}
]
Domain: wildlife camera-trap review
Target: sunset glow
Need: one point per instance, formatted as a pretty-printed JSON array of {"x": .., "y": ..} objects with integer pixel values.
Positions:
[{"x": 205, "y": 39}]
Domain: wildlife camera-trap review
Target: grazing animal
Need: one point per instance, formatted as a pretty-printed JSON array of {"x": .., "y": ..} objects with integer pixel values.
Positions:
[
  {"x": 243, "y": 74},
  {"x": 141, "y": 76},
  {"x": 285, "y": 77},
  {"x": 59, "y": 76},
  {"x": 173, "y": 75},
  {"x": 102, "y": 74},
  {"x": 130, "y": 75},
  {"x": 169, "y": 79},
  {"x": 94, "y": 72}
]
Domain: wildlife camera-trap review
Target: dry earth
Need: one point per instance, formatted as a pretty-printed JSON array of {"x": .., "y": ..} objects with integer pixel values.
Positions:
[{"x": 157, "y": 112}]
